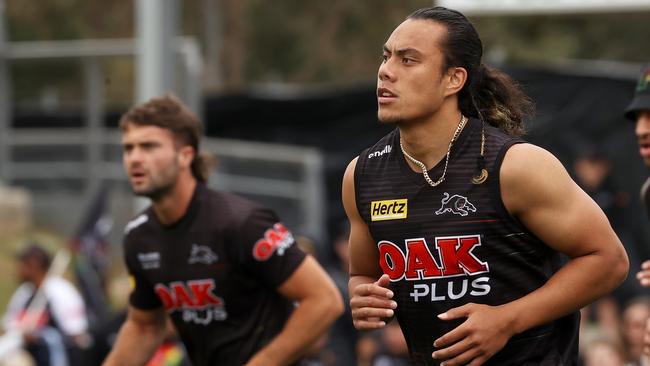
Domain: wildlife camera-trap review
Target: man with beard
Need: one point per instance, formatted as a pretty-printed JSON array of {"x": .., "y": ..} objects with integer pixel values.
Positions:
[
  {"x": 457, "y": 224},
  {"x": 223, "y": 268}
]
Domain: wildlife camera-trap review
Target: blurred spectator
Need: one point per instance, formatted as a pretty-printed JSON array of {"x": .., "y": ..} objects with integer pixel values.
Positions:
[
  {"x": 635, "y": 315},
  {"x": 394, "y": 350},
  {"x": 639, "y": 111},
  {"x": 367, "y": 347},
  {"x": 604, "y": 352},
  {"x": 60, "y": 329},
  {"x": 343, "y": 334},
  {"x": 592, "y": 170}
]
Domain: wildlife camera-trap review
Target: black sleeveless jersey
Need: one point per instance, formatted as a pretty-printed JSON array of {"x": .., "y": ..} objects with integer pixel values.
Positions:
[
  {"x": 455, "y": 243},
  {"x": 216, "y": 272}
]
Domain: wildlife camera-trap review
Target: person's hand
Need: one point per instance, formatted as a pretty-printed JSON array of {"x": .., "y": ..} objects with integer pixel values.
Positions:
[
  {"x": 644, "y": 274},
  {"x": 485, "y": 332},
  {"x": 371, "y": 303}
]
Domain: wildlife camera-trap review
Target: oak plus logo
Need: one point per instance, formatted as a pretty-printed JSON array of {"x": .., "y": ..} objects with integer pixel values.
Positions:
[
  {"x": 454, "y": 261},
  {"x": 389, "y": 209},
  {"x": 195, "y": 299},
  {"x": 276, "y": 240}
]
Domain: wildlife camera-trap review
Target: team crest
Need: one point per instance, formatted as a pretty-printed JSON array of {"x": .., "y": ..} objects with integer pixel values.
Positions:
[
  {"x": 456, "y": 204},
  {"x": 202, "y": 254}
]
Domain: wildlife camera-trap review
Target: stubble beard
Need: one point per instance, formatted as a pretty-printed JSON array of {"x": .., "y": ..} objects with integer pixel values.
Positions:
[{"x": 159, "y": 186}]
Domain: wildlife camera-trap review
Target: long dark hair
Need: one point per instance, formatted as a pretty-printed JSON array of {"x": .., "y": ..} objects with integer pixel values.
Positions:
[
  {"x": 488, "y": 94},
  {"x": 170, "y": 113}
]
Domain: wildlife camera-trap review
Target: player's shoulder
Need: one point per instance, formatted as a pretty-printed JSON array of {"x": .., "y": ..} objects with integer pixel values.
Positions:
[
  {"x": 382, "y": 148},
  {"x": 231, "y": 207},
  {"x": 137, "y": 222},
  {"x": 229, "y": 202},
  {"x": 525, "y": 158},
  {"x": 531, "y": 175}
]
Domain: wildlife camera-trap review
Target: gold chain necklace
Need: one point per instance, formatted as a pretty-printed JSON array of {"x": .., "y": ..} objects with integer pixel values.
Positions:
[{"x": 461, "y": 124}]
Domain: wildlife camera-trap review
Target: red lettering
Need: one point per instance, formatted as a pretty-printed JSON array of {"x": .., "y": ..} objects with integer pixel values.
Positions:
[
  {"x": 420, "y": 261},
  {"x": 276, "y": 235},
  {"x": 202, "y": 291},
  {"x": 165, "y": 296},
  {"x": 266, "y": 246},
  {"x": 457, "y": 257},
  {"x": 389, "y": 251},
  {"x": 182, "y": 297}
]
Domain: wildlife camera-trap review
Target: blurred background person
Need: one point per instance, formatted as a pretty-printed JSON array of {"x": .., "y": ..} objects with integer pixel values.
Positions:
[
  {"x": 344, "y": 336},
  {"x": 59, "y": 333},
  {"x": 635, "y": 316},
  {"x": 639, "y": 111},
  {"x": 604, "y": 351},
  {"x": 393, "y": 348}
]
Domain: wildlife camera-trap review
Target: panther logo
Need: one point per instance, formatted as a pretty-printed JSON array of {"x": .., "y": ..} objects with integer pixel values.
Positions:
[
  {"x": 202, "y": 254},
  {"x": 456, "y": 204}
]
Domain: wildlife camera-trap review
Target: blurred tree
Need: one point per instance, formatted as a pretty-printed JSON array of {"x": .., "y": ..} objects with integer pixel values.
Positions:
[
  {"x": 295, "y": 41},
  {"x": 552, "y": 38}
]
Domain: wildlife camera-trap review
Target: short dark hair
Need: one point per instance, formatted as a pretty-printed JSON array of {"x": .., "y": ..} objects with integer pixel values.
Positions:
[
  {"x": 170, "y": 113},
  {"x": 488, "y": 94},
  {"x": 37, "y": 254}
]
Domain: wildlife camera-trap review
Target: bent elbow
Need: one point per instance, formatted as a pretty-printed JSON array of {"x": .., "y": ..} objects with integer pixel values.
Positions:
[
  {"x": 623, "y": 265},
  {"x": 335, "y": 306},
  {"x": 618, "y": 266}
]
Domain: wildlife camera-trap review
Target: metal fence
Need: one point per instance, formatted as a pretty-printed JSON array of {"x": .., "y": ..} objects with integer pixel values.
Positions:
[{"x": 64, "y": 167}]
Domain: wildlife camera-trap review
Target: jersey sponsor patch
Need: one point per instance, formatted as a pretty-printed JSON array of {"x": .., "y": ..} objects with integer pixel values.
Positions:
[
  {"x": 149, "y": 260},
  {"x": 276, "y": 240},
  {"x": 454, "y": 268},
  {"x": 195, "y": 298},
  {"x": 389, "y": 209}
]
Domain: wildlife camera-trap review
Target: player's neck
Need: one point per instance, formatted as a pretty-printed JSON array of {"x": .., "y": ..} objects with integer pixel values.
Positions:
[
  {"x": 428, "y": 140},
  {"x": 172, "y": 207}
]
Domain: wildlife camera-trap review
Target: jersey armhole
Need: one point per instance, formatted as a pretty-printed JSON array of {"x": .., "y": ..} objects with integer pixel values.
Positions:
[
  {"x": 496, "y": 184},
  {"x": 357, "y": 180}
]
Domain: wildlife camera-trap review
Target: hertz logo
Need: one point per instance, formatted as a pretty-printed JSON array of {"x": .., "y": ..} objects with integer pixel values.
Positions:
[{"x": 388, "y": 210}]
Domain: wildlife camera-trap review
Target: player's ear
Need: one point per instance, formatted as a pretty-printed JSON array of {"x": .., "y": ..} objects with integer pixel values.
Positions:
[
  {"x": 455, "y": 79},
  {"x": 186, "y": 156}
]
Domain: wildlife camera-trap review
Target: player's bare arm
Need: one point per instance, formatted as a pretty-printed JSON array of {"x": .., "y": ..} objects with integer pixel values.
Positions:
[
  {"x": 370, "y": 298},
  {"x": 319, "y": 304},
  {"x": 537, "y": 190},
  {"x": 140, "y": 335}
]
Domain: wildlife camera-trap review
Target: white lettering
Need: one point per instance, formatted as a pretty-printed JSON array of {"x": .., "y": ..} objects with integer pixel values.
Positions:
[
  {"x": 375, "y": 154},
  {"x": 450, "y": 290},
  {"x": 479, "y": 287},
  {"x": 433, "y": 294},
  {"x": 416, "y": 295},
  {"x": 480, "y": 283}
]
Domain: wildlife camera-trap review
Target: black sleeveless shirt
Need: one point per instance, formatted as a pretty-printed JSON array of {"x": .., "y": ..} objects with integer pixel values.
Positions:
[{"x": 456, "y": 243}]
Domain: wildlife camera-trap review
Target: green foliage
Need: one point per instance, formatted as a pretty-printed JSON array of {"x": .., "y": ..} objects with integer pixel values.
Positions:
[
  {"x": 542, "y": 39},
  {"x": 308, "y": 41}
]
